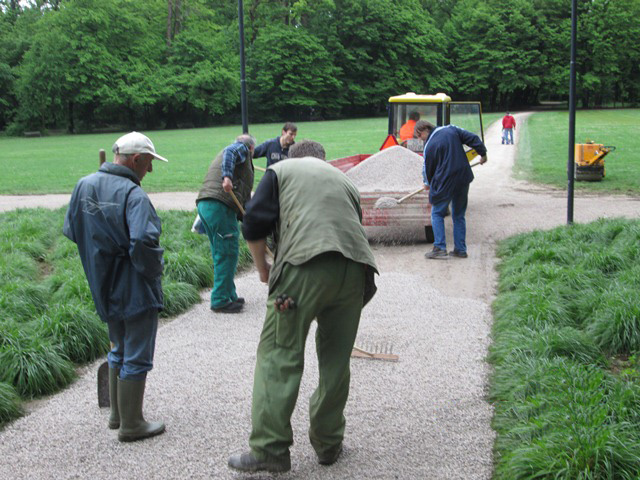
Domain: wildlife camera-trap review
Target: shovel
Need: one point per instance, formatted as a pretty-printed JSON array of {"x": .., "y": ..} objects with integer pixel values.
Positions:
[
  {"x": 389, "y": 202},
  {"x": 103, "y": 384}
]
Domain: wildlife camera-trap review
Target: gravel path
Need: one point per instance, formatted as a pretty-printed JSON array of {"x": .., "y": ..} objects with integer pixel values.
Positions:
[{"x": 425, "y": 417}]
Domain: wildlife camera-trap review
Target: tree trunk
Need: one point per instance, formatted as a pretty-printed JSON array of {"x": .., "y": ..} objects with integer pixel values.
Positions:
[
  {"x": 169, "y": 19},
  {"x": 70, "y": 125}
]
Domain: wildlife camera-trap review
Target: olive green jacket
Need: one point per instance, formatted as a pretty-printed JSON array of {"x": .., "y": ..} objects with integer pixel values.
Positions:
[
  {"x": 242, "y": 183},
  {"x": 319, "y": 212}
]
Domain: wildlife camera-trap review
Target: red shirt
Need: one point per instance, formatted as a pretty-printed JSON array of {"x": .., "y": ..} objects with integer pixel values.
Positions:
[{"x": 508, "y": 122}]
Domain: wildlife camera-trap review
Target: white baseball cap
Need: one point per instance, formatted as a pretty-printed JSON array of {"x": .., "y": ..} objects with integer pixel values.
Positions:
[{"x": 135, "y": 142}]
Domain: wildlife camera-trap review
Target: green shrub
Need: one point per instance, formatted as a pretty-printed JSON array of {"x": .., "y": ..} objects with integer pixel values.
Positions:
[
  {"x": 178, "y": 297},
  {"x": 567, "y": 312},
  {"x": 566, "y": 423},
  {"x": 9, "y": 403},
  {"x": 17, "y": 266},
  {"x": 79, "y": 333},
  {"x": 22, "y": 301},
  {"x": 184, "y": 266},
  {"x": 616, "y": 321},
  {"x": 34, "y": 366}
]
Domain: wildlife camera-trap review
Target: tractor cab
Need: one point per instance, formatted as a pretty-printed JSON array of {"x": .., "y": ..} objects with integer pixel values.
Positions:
[{"x": 437, "y": 109}]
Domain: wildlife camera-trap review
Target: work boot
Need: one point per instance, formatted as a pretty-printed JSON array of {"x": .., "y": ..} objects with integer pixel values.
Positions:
[
  {"x": 330, "y": 456},
  {"x": 436, "y": 253},
  {"x": 231, "y": 307},
  {"x": 246, "y": 462},
  {"x": 132, "y": 424},
  {"x": 114, "y": 417}
]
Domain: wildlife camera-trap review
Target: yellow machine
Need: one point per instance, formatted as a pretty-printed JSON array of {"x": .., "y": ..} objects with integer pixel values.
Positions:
[
  {"x": 589, "y": 161},
  {"x": 438, "y": 109}
]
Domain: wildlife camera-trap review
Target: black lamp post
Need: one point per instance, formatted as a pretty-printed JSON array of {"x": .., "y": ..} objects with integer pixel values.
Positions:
[
  {"x": 572, "y": 113},
  {"x": 243, "y": 82}
]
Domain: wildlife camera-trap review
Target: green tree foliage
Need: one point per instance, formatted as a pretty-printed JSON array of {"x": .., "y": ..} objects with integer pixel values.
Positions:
[
  {"x": 290, "y": 72},
  {"x": 497, "y": 51},
  {"x": 199, "y": 78},
  {"x": 84, "y": 64}
]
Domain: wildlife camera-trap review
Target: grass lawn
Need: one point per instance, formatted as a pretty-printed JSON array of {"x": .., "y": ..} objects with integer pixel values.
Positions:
[
  {"x": 566, "y": 352},
  {"x": 54, "y": 164},
  {"x": 48, "y": 322},
  {"x": 544, "y": 147}
]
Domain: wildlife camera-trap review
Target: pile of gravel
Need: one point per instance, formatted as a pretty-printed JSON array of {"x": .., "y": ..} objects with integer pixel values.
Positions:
[{"x": 392, "y": 169}]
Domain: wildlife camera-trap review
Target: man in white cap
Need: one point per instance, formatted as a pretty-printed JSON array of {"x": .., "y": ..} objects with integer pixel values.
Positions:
[{"x": 117, "y": 231}]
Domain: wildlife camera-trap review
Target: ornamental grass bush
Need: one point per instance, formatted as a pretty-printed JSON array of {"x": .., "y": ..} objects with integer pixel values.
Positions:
[
  {"x": 34, "y": 366},
  {"x": 78, "y": 331},
  {"x": 566, "y": 339},
  {"x": 10, "y": 406}
]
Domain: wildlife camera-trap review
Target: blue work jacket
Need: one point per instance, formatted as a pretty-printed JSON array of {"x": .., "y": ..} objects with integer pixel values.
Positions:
[
  {"x": 446, "y": 164},
  {"x": 117, "y": 231}
]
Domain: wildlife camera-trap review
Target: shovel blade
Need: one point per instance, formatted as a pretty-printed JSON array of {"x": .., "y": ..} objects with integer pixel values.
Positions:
[{"x": 103, "y": 386}]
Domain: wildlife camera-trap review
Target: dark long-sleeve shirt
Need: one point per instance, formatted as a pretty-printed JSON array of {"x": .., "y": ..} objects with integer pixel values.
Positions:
[
  {"x": 446, "y": 163},
  {"x": 272, "y": 150},
  {"x": 263, "y": 210}
]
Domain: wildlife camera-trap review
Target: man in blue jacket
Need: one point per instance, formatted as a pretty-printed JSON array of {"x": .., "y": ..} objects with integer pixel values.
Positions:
[
  {"x": 448, "y": 175},
  {"x": 117, "y": 231},
  {"x": 277, "y": 148}
]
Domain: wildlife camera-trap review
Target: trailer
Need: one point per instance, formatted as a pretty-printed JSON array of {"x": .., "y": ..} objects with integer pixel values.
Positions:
[{"x": 437, "y": 109}]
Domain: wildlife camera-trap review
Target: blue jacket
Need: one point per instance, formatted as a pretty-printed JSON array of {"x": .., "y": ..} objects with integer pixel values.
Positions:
[
  {"x": 117, "y": 231},
  {"x": 446, "y": 164},
  {"x": 272, "y": 150}
]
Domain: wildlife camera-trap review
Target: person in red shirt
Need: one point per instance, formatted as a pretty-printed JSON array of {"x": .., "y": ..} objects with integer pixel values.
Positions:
[
  {"x": 406, "y": 131},
  {"x": 508, "y": 126}
]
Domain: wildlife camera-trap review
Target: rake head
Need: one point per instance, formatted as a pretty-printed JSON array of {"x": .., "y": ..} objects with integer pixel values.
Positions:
[{"x": 375, "y": 351}]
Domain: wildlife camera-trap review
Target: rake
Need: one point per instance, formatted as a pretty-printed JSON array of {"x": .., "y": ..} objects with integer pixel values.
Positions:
[{"x": 375, "y": 352}]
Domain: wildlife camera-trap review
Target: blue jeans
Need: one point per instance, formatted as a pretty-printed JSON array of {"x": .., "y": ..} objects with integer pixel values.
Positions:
[
  {"x": 508, "y": 136},
  {"x": 458, "y": 209},
  {"x": 221, "y": 224},
  {"x": 134, "y": 342}
]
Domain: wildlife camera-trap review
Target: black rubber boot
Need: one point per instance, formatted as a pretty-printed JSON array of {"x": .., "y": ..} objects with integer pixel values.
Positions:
[
  {"x": 114, "y": 417},
  {"x": 132, "y": 424},
  {"x": 330, "y": 456}
]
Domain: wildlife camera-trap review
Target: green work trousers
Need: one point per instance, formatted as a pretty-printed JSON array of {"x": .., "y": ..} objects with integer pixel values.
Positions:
[
  {"x": 328, "y": 288},
  {"x": 221, "y": 225}
]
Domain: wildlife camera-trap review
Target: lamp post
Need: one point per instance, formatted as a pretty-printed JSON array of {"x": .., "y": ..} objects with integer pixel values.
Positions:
[
  {"x": 572, "y": 113},
  {"x": 243, "y": 82}
]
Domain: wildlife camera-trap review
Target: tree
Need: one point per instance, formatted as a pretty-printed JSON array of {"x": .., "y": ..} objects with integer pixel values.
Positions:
[
  {"x": 80, "y": 65},
  {"x": 381, "y": 48},
  {"x": 200, "y": 78},
  {"x": 290, "y": 72}
]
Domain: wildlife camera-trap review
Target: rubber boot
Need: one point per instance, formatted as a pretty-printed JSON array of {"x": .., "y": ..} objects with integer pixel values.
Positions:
[
  {"x": 114, "y": 418},
  {"x": 132, "y": 424}
]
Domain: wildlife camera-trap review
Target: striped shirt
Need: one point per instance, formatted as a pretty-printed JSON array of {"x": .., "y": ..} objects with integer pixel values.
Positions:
[{"x": 233, "y": 154}]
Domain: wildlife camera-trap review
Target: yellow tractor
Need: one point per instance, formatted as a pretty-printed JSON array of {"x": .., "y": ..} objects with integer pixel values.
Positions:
[
  {"x": 437, "y": 109},
  {"x": 589, "y": 161}
]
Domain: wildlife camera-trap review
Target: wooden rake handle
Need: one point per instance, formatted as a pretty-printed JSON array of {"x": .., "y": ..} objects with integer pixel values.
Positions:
[{"x": 239, "y": 205}]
